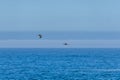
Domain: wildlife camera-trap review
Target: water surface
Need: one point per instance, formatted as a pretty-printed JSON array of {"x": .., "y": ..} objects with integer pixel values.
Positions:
[{"x": 60, "y": 64}]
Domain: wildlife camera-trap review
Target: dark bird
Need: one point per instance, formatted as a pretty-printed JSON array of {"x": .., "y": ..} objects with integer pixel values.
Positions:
[
  {"x": 40, "y": 36},
  {"x": 65, "y": 43}
]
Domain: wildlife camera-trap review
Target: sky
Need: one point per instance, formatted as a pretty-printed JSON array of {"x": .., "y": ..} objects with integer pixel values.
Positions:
[
  {"x": 59, "y": 43},
  {"x": 58, "y": 35},
  {"x": 59, "y": 15}
]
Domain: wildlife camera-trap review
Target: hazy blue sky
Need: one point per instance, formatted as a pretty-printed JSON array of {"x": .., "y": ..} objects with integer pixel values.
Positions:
[{"x": 103, "y": 15}]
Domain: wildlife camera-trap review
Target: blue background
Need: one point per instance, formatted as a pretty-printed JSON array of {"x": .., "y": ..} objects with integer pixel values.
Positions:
[{"x": 59, "y": 15}]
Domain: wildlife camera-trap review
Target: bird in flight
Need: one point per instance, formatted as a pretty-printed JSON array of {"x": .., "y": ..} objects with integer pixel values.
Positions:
[
  {"x": 65, "y": 43},
  {"x": 40, "y": 36}
]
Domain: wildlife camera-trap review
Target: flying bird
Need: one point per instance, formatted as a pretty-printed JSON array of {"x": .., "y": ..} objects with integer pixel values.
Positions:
[
  {"x": 65, "y": 43},
  {"x": 40, "y": 36}
]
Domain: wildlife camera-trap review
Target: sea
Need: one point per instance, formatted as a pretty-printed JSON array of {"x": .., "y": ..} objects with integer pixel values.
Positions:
[{"x": 59, "y": 64}]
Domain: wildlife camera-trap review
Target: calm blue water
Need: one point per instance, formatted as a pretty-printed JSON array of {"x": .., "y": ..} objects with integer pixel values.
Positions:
[{"x": 60, "y": 64}]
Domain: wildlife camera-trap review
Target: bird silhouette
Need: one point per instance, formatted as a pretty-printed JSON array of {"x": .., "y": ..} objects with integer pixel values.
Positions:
[{"x": 40, "y": 36}]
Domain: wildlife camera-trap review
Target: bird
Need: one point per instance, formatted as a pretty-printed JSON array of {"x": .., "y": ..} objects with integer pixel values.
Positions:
[
  {"x": 65, "y": 43},
  {"x": 40, "y": 36}
]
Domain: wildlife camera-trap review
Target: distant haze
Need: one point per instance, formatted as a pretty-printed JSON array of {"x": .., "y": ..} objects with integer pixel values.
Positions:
[{"x": 60, "y": 35}]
